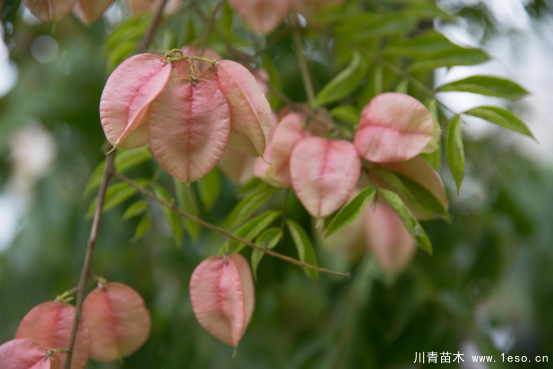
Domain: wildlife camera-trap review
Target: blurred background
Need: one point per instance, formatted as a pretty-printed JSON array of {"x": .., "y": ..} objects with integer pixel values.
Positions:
[{"x": 487, "y": 289}]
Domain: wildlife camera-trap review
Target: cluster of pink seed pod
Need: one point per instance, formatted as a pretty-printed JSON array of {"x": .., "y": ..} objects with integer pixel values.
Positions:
[{"x": 115, "y": 323}]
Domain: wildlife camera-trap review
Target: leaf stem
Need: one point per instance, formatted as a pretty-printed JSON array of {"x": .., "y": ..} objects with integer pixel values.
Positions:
[
  {"x": 302, "y": 61},
  {"x": 229, "y": 235}
]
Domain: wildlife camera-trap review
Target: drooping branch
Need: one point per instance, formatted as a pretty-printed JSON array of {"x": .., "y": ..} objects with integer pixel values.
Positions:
[
  {"x": 227, "y": 234},
  {"x": 108, "y": 172}
]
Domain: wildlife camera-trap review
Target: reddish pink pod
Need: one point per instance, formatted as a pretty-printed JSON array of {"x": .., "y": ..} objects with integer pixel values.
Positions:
[
  {"x": 387, "y": 238},
  {"x": 207, "y": 53},
  {"x": 49, "y": 325},
  {"x": 89, "y": 11},
  {"x": 118, "y": 320},
  {"x": 393, "y": 127},
  {"x": 250, "y": 112},
  {"x": 324, "y": 174},
  {"x": 263, "y": 16},
  {"x": 26, "y": 354},
  {"x": 49, "y": 10},
  {"x": 127, "y": 98},
  {"x": 189, "y": 125},
  {"x": 287, "y": 134},
  {"x": 223, "y": 298}
]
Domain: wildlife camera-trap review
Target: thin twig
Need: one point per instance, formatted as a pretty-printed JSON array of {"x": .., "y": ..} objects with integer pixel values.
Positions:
[
  {"x": 108, "y": 172},
  {"x": 205, "y": 224}
]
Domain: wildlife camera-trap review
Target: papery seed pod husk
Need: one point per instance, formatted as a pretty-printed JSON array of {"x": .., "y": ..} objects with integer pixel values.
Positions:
[
  {"x": 49, "y": 324},
  {"x": 393, "y": 127},
  {"x": 261, "y": 15},
  {"x": 324, "y": 174},
  {"x": 287, "y": 134},
  {"x": 189, "y": 125},
  {"x": 421, "y": 172},
  {"x": 127, "y": 98},
  {"x": 25, "y": 354},
  {"x": 387, "y": 238},
  {"x": 222, "y": 294},
  {"x": 250, "y": 112},
  {"x": 118, "y": 321},
  {"x": 89, "y": 11},
  {"x": 49, "y": 10}
]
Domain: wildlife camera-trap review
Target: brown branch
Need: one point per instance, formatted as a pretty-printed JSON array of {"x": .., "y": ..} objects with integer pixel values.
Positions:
[
  {"x": 108, "y": 172},
  {"x": 205, "y": 224}
]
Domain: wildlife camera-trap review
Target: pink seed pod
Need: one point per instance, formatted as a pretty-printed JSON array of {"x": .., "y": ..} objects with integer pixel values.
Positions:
[
  {"x": 88, "y": 11},
  {"x": 207, "y": 53},
  {"x": 118, "y": 321},
  {"x": 49, "y": 10},
  {"x": 324, "y": 174},
  {"x": 127, "y": 97},
  {"x": 287, "y": 134},
  {"x": 387, "y": 239},
  {"x": 223, "y": 299},
  {"x": 189, "y": 126},
  {"x": 250, "y": 112},
  {"x": 237, "y": 167},
  {"x": 26, "y": 354},
  {"x": 49, "y": 325},
  {"x": 263, "y": 16},
  {"x": 393, "y": 127},
  {"x": 262, "y": 78},
  {"x": 421, "y": 172}
]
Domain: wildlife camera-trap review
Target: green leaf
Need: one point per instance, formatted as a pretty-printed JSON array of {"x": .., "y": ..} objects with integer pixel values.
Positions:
[
  {"x": 434, "y": 143},
  {"x": 115, "y": 195},
  {"x": 305, "y": 249},
  {"x": 172, "y": 218},
  {"x": 392, "y": 179},
  {"x": 366, "y": 26},
  {"x": 344, "y": 83},
  {"x": 268, "y": 239},
  {"x": 425, "y": 44},
  {"x": 347, "y": 113},
  {"x": 186, "y": 201},
  {"x": 142, "y": 228},
  {"x": 486, "y": 85},
  {"x": 124, "y": 160},
  {"x": 348, "y": 213},
  {"x": 249, "y": 205},
  {"x": 252, "y": 229},
  {"x": 501, "y": 117},
  {"x": 450, "y": 58},
  {"x": 455, "y": 150},
  {"x": 136, "y": 209},
  {"x": 411, "y": 224},
  {"x": 374, "y": 84},
  {"x": 209, "y": 187}
]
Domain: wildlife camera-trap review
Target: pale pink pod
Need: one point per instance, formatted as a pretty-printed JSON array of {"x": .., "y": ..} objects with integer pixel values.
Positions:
[
  {"x": 207, "y": 53},
  {"x": 118, "y": 321},
  {"x": 393, "y": 127},
  {"x": 421, "y": 172},
  {"x": 49, "y": 10},
  {"x": 189, "y": 126},
  {"x": 250, "y": 112},
  {"x": 263, "y": 16},
  {"x": 25, "y": 354},
  {"x": 237, "y": 167},
  {"x": 324, "y": 174},
  {"x": 387, "y": 238},
  {"x": 127, "y": 98},
  {"x": 88, "y": 11},
  {"x": 49, "y": 324},
  {"x": 223, "y": 298}
]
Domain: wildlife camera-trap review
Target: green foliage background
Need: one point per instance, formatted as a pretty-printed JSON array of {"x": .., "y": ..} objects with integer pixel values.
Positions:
[{"x": 491, "y": 268}]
